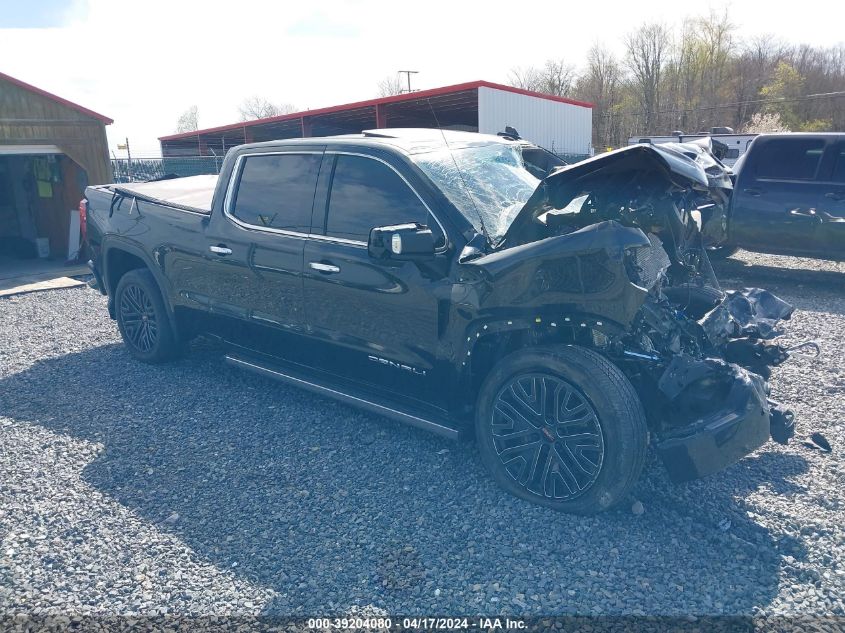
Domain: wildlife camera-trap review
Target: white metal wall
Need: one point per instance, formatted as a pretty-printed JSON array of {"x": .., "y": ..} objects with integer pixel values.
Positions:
[{"x": 560, "y": 127}]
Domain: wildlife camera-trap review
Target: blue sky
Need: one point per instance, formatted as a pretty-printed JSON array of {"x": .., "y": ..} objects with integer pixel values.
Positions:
[{"x": 34, "y": 14}]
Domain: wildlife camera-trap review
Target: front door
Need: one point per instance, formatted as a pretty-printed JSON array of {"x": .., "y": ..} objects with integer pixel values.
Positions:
[
  {"x": 377, "y": 318},
  {"x": 831, "y": 207}
]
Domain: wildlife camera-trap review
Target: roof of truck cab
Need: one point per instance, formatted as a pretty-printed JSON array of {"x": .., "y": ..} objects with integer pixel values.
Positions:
[
  {"x": 407, "y": 140},
  {"x": 803, "y": 135}
]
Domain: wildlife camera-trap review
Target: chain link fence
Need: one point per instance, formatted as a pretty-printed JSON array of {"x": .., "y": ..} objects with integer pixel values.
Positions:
[
  {"x": 572, "y": 158},
  {"x": 143, "y": 169}
]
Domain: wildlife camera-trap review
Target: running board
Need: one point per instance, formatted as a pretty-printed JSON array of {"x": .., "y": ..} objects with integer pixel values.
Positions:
[{"x": 346, "y": 398}]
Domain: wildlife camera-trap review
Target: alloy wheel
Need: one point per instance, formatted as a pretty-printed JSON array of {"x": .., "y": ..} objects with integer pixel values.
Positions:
[
  {"x": 138, "y": 317},
  {"x": 547, "y": 436}
]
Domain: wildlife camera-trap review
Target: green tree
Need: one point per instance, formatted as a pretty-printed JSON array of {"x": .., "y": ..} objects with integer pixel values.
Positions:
[{"x": 782, "y": 93}]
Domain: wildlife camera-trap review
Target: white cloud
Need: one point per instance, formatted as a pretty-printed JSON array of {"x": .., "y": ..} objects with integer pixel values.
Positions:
[{"x": 143, "y": 63}]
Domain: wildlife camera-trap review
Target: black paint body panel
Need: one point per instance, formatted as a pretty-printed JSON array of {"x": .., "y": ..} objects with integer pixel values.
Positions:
[
  {"x": 409, "y": 331},
  {"x": 788, "y": 215}
]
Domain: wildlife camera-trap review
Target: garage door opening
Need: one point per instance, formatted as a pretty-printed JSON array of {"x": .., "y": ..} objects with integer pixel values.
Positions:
[{"x": 39, "y": 197}]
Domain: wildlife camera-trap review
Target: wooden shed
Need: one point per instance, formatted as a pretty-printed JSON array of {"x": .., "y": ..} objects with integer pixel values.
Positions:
[{"x": 50, "y": 150}]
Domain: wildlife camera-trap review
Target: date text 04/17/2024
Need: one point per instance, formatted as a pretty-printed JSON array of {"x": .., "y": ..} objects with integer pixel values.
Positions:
[{"x": 418, "y": 623}]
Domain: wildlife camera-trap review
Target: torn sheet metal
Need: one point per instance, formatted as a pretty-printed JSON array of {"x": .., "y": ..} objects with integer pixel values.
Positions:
[{"x": 752, "y": 312}]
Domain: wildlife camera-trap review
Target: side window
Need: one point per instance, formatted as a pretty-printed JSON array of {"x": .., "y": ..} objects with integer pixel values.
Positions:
[
  {"x": 790, "y": 159},
  {"x": 277, "y": 191},
  {"x": 839, "y": 164},
  {"x": 366, "y": 193}
]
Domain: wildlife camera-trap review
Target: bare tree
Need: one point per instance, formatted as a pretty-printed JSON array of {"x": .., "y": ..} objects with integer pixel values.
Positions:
[
  {"x": 188, "y": 120},
  {"x": 555, "y": 77},
  {"x": 390, "y": 85},
  {"x": 706, "y": 77},
  {"x": 647, "y": 50},
  {"x": 600, "y": 84},
  {"x": 528, "y": 78},
  {"x": 257, "y": 107}
]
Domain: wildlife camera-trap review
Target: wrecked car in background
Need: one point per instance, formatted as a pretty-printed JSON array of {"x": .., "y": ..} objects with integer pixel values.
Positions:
[{"x": 429, "y": 277}]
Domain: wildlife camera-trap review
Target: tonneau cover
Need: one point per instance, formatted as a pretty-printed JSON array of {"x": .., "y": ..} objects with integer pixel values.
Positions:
[{"x": 193, "y": 193}]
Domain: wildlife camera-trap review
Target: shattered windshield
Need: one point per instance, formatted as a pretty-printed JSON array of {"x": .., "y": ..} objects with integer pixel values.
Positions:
[{"x": 487, "y": 183}]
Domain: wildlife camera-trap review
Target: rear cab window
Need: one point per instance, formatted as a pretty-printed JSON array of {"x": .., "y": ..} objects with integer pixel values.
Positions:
[
  {"x": 366, "y": 193},
  {"x": 276, "y": 191},
  {"x": 789, "y": 159}
]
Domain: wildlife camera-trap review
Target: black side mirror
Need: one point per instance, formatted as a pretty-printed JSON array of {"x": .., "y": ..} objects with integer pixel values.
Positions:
[{"x": 401, "y": 242}]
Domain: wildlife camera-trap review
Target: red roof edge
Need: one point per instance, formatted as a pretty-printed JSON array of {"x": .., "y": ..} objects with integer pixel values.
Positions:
[
  {"x": 408, "y": 96},
  {"x": 49, "y": 95}
]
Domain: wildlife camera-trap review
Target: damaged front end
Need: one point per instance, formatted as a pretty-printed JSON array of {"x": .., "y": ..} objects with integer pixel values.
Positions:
[
  {"x": 705, "y": 384},
  {"x": 699, "y": 358}
]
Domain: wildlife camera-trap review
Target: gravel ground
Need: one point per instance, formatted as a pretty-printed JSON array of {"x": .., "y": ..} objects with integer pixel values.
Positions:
[{"x": 194, "y": 488}]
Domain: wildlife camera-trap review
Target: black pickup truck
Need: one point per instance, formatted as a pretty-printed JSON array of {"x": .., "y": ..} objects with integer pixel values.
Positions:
[
  {"x": 428, "y": 276},
  {"x": 789, "y": 197}
]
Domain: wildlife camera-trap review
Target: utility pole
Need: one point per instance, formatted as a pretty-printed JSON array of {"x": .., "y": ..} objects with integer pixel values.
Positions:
[
  {"x": 408, "y": 74},
  {"x": 128, "y": 158}
]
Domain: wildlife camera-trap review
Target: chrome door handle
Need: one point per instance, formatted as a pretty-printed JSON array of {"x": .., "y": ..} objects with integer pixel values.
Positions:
[
  {"x": 220, "y": 250},
  {"x": 324, "y": 268}
]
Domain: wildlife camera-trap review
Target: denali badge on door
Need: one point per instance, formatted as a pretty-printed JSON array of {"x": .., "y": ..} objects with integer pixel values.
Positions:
[{"x": 394, "y": 364}]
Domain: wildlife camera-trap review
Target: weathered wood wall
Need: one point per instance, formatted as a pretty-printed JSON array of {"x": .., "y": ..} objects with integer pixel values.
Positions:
[{"x": 27, "y": 118}]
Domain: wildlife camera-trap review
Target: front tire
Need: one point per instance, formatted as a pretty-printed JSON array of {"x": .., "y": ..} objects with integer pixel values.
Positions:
[
  {"x": 143, "y": 320},
  {"x": 561, "y": 427}
]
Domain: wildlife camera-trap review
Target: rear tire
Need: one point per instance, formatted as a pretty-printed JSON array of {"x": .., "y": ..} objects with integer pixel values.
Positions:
[
  {"x": 143, "y": 320},
  {"x": 561, "y": 427}
]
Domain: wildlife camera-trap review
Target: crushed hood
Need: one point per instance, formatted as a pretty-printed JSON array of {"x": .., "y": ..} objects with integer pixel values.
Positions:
[
  {"x": 634, "y": 166},
  {"x": 675, "y": 164}
]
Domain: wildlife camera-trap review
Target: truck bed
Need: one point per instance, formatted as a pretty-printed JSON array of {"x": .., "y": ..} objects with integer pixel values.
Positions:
[{"x": 193, "y": 193}]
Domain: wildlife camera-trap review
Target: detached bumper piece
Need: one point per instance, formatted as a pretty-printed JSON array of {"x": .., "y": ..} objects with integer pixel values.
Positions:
[
  {"x": 782, "y": 422},
  {"x": 722, "y": 438},
  {"x": 744, "y": 421}
]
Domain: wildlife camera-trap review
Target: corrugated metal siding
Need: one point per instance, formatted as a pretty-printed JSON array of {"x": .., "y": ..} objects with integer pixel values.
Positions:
[{"x": 560, "y": 127}]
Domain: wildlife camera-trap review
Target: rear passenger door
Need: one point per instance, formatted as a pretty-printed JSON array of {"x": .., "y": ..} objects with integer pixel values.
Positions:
[
  {"x": 377, "y": 321},
  {"x": 774, "y": 205},
  {"x": 255, "y": 247}
]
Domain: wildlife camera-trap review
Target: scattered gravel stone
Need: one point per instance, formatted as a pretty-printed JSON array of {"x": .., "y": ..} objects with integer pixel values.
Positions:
[{"x": 284, "y": 503}]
